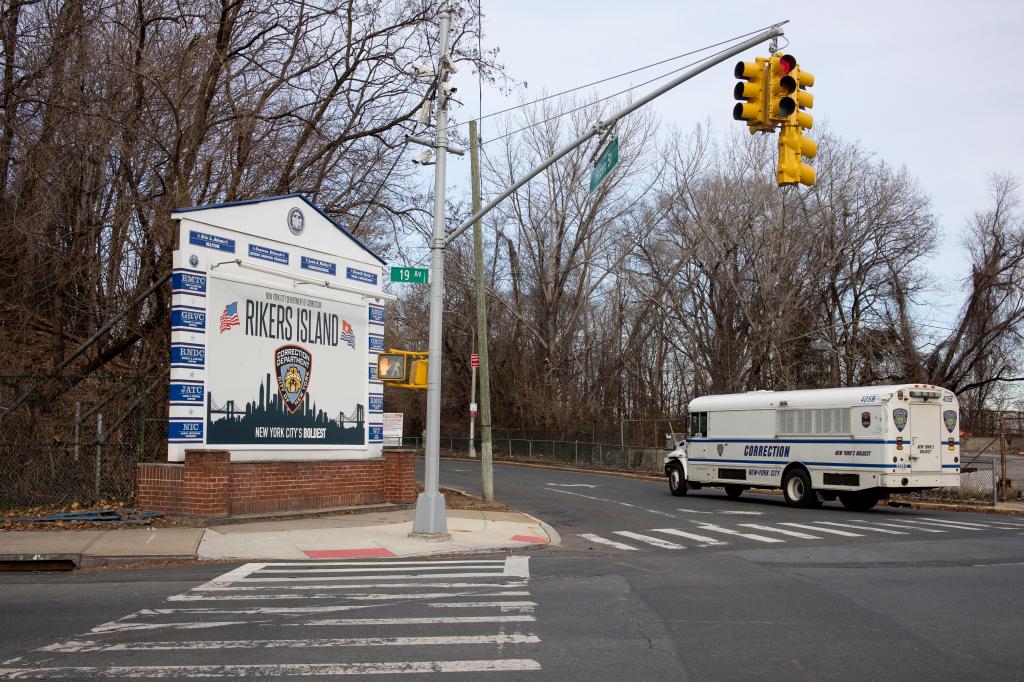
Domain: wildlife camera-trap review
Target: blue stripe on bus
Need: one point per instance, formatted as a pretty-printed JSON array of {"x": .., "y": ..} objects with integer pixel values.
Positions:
[
  {"x": 837, "y": 465},
  {"x": 812, "y": 441}
]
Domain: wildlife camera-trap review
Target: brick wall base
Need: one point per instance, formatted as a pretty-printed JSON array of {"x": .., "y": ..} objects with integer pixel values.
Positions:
[{"x": 209, "y": 485}]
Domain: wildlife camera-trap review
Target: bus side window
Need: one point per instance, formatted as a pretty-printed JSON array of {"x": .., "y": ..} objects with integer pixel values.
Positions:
[{"x": 699, "y": 424}]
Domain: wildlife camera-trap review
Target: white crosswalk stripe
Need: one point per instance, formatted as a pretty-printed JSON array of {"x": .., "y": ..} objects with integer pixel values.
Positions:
[
  {"x": 833, "y": 531},
  {"x": 901, "y": 525},
  {"x": 710, "y": 527},
  {"x": 704, "y": 539},
  {"x": 389, "y": 617},
  {"x": 948, "y": 525},
  {"x": 657, "y": 542},
  {"x": 861, "y": 527},
  {"x": 782, "y": 531},
  {"x": 605, "y": 541}
]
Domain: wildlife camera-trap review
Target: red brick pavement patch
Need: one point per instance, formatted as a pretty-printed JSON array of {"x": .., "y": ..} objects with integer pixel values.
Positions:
[
  {"x": 348, "y": 553},
  {"x": 530, "y": 538}
]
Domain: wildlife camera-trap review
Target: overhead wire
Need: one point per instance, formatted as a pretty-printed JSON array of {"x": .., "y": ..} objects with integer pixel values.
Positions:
[{"x": 623, "y": 74}]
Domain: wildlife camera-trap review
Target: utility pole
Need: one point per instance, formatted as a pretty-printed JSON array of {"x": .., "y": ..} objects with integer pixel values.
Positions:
[
  {"x": 431, "y": 519},
  {"x": 486, "y": 467},
  {"x": 472, "y": 387}
]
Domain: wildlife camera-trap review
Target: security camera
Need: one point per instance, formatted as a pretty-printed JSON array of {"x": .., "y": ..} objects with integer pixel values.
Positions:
[
  {"x": 425, "y": 111},
  {"x": 422, "y": 69},
  {"x": 423, "y": 158},
  {"x": 448, "y": 89},
  {"x": 450, "y": 65}
]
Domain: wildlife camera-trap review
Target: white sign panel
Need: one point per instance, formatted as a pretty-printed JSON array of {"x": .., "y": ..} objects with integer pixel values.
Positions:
[
  {"x": 283, "y": 367},
  {"x": 393, "y": 427}
]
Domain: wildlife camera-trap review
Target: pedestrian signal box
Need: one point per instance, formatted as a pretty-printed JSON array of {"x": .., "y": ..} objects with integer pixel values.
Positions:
[{"x": 402, "y": 368}]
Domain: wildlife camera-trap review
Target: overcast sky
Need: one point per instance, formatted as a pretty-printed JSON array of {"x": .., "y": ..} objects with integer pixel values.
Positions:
[{"x": 930, "y": 85}]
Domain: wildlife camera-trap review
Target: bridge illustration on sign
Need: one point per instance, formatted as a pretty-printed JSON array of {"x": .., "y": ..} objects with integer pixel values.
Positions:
[{"x": 268, "y": 421}]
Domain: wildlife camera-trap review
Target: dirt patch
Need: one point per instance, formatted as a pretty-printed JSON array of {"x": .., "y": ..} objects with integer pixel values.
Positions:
[
  {"x": 460, "y": 499},
  {"x": 9, "y": 520}
]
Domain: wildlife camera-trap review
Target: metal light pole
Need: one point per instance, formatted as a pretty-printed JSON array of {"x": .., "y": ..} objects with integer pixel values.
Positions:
[{"x": 431, "y": 519}]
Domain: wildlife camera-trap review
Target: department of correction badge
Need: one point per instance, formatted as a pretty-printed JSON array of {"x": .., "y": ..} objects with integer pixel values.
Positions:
[
  {"x": 899, "y": 418},
  {"x": 949, "y": 419},
  {"x": 293, "y": 365}
]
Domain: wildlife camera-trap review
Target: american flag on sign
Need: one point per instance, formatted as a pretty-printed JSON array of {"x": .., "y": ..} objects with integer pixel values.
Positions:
[
  {"x": 346, "y": 334},
  {"x": 229, "y": 318}
]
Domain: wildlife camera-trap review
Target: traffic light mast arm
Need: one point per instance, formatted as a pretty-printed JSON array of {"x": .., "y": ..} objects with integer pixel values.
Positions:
[{"x": 773, "y": 32}]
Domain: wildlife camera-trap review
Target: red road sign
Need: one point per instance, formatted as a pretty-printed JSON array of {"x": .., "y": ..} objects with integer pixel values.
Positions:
[{"x": 474, "y": 360}]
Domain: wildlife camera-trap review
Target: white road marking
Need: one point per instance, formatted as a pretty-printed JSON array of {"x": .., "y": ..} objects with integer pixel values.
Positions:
[
  {"x": 357, "y": 586},
  {"x": 414, "y": 620},
  {"x": 269, "y": 610},
  {"x": 692, "y": 536},
  {"x": 660, "y": 513},
  {"x": 116, "y": 626},
  {"x": 354, "y": 597},
  {"x": 900, "y": 524},
  {"x": 1008, "y": 525},
  {"x": 693, "y": 511},
  {"x": 292, "y": 571},
  {"x": 314, "y": 565},
  {"x": 517, "y": 567},
  {"x": 373, "y": 570},
  {"x": 604, "y": 541},
  {"x": 657, "y": 542},
  {"x": 856, "y": 527},
  {"x": 782, "y": 531},
  {"x": 572, "y": 485},
  {"x": 945, "y": 524},
  {"x": 276, "y": 669},
  {"x": 729, "y": 531},
  {"x": 418, "y": 576},
  {"x": 73, "y": 646},
  {"x": 833, "y": 531},
  {"x": 951, "y": 522},
  {"x": 748, "y": 513}
]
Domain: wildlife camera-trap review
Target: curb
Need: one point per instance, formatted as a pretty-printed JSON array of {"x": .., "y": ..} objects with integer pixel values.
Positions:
[{"x": 553, "y": 537}]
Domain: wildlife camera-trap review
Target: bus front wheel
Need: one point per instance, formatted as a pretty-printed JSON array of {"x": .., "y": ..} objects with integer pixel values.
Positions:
[
  {"x": 677, "y": 481},
  {"x": 796, "y": 488}
]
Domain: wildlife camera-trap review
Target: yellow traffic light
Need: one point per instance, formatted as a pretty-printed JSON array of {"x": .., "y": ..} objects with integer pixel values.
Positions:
[
  {"x": 788, "y": 102},
  {"x": 793, "y": 147},
  {"x": 752, "y": 93}
]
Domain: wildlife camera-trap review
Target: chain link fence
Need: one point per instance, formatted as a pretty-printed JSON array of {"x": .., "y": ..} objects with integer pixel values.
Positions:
[{"x": 612, "y": 457}]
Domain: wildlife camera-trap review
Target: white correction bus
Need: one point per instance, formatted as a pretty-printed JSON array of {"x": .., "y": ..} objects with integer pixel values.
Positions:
[{"x": 854, "y": 444}]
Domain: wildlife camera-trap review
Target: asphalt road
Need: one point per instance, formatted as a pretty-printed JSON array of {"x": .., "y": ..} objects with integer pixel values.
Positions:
[{"x": 643, "y": 586}]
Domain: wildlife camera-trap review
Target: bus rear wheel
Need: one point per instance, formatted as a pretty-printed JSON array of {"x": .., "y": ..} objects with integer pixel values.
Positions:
[
  {"x": 733, "y": 491},
  {"x": 796, "y": 488},
  {"x": 677, "y": 481},
  {"x": 862, "y": 500}
]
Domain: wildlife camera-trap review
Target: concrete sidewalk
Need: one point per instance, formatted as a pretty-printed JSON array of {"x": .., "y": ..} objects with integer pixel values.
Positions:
[{"x": 376, "y": 534}]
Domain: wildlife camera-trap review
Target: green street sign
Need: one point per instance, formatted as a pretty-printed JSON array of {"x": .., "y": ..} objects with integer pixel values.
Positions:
[
  {"x": 409, "y": 275},
  {"x": 605, "y": 163}
]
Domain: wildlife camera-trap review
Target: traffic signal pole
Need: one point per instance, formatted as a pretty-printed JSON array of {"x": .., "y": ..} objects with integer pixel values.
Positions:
[
  {"x": 601, "y": 126},
  {"x": 430, "y": 519}
]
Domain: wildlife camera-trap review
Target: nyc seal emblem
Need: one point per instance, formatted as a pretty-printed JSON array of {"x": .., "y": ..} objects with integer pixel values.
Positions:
[
  {"x": 949, "y": 419},
  {"x": 899, "y": 418},
  {"x": 293, "y": 364},
  {"x": 721, "y": 448}
]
